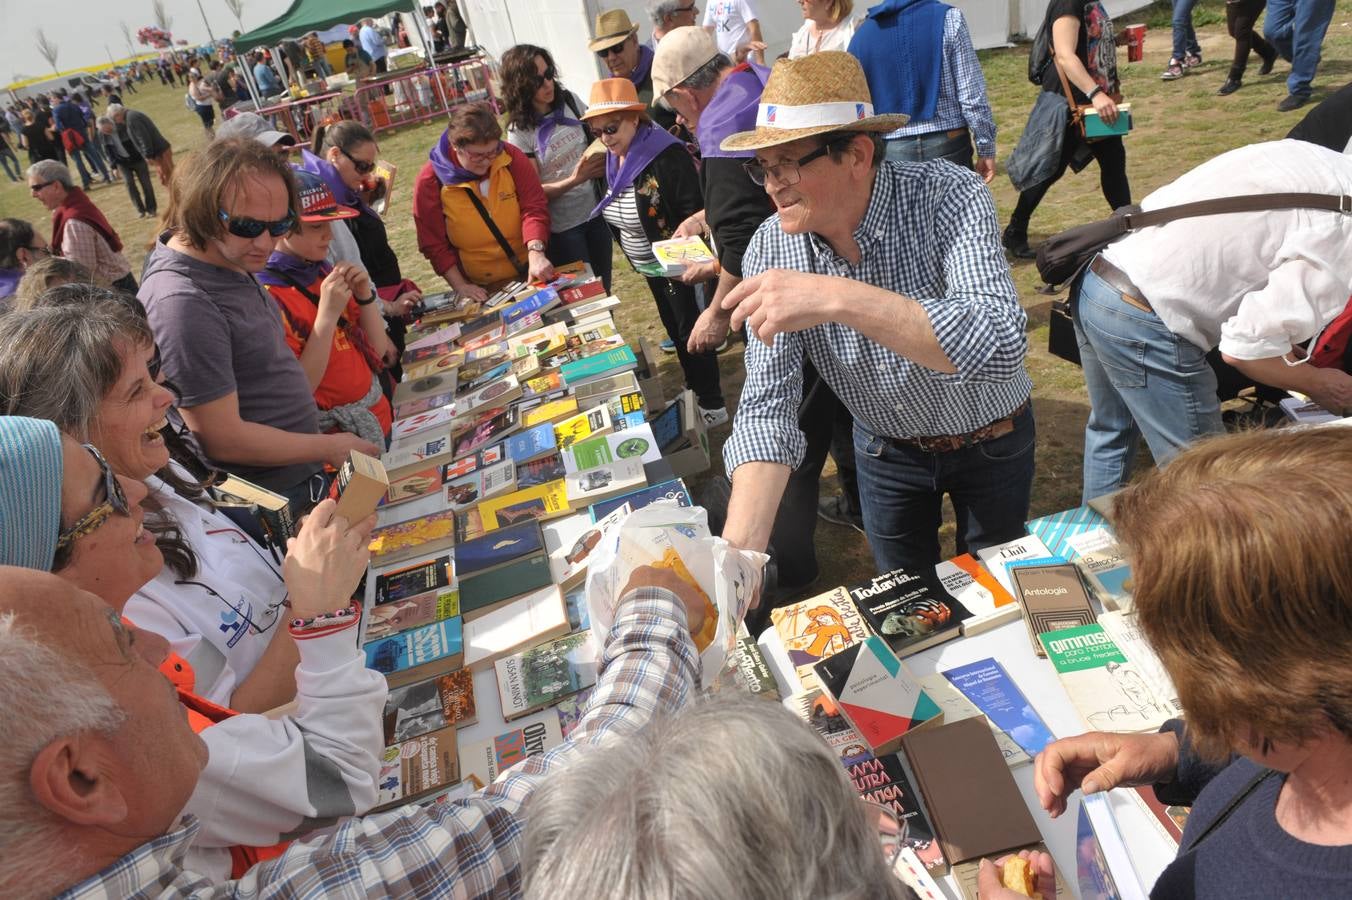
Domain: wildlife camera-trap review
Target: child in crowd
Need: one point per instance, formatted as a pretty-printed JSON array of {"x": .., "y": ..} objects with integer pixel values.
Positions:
[{"x": 331, "y": 318}]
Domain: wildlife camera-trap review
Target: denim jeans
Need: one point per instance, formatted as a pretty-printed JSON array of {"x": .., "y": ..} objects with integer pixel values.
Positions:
[
  {"x": 8, "y": 158},
  {"x": 1296, "y": 28},
  {"x": 1185, "y": 38},
  {"x": 935, "y": 145},
  {"x": 590, "y": 242},
  {"x": 1143, "y": 380},
  {"x": 902, "y": 490}
]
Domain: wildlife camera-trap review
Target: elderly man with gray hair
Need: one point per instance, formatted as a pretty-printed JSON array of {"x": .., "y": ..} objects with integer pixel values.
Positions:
[
  {"x": 118, "y": 147},
  {"x": 146, "y": 138},
  {"x": 80, "y": 231},
  {"x": 669, "y": 14}
]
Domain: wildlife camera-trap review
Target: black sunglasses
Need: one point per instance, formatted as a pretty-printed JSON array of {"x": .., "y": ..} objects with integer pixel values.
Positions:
[
  {"x": 547, "y": 75},
  {"x": 610, "y": 129},
  {"x": 37, "y": 187},
  {"x": 617, "y": 49},
  {"x": 363, "y": 168},
  {"x": 244, "y": 227}
]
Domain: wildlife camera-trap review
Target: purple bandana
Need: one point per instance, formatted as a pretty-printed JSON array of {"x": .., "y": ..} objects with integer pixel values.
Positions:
[
  {"x": 542, "y": 134},
  {"x": 448, "y": 168},
  {"x": 643, "y": 66},
  {"x": 648, "y": 142},
  {"x": 346, "y": 196},
  {"x": 302, "y": 271},
  {"x": 9, "y": 281},
  {"x": 732, "y": 109}
]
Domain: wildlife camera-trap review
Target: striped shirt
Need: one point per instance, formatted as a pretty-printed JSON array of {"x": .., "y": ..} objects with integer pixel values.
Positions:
[
  {"x": 468, "y": 848},
  {"x": 82, "y": 243},
  {"x": 929, "y": 233},
  {"x": 622, "y": 214},
  {"x": 962, "y": 92}
]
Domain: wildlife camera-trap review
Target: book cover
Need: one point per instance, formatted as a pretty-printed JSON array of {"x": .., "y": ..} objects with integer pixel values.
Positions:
[
  {"x": 820, "y": 712},
  {"x": 414, "y": 485},
  {"x": 673, "y": 491},
  {"x": 361, "y": 485},
  {"x": 540, "y": 341},
  {"x": 421, "y": 653},
  {"x": 532, "y": 443},
  {"x": 1107, "y": 690},
  {"x": 415, "y": 537},
  {"x": 883, "y": 780},
  {"x": 571, "y": 709},
  {"x": 998, "y": 557},
  {"x": 492, "y": 426},
  {"x": 408, "y": 582},
  {"x": 603, "y": 482},
  {"x": 538, "y": 503},
  {"x": 678, "y": 254},
  {"x": 543, "y": 675},
  {"x": 750, "y": 671},
  {"x": 539, "y": 302},
  {"x": 816, "y": 628},
  {"x": 416, "y": 425},
  {"x": 433, "y": 343},
  {"x": 486, "y": 591},
  {"x": 496, "y": 479},
  {"x": 1053, "y": 597},
  {"x": 503, "y": 546},
  {"x": 575, "y": 602},
  {"x": 421, "y": 387},
  {"x": 272, "y": 511},
  {"x": 525, "y": 368},
  {"x": 553, "y": 411},
  {"x": 581, "y": 426},
  {"x": 613, "y": 361},
  {"x": 569, "y": 542},
  {"x": 957, "y": 707},
  {"x": 1056, "y": 530},
  {"x": 1126, "y": 633},
  {"x": 442, "y": 364},
  {"x": 416, "y": 768},
  {"x": 580, "y": 291},
  {"x": 525, "y": 622},
  {"x": 876, "y": 693},
  {"x": 468, "y": 524},
  {"x": 583, "y": 310},
  {"x": 1104, "y": 565},
  {"x": 636, "y": 442},
  {"x": 910, "y": 611},
  {"x": 968, "y": 582},
  {"x": 401, "y": 615},
  {"x": 417, "y": 709},
  {"x": 432, "y": 451},
  {"x": 989, "y": 687},
  {"x": 594, "y": 392},
  {"x": 541, "y": 470},
  {"x": 488, "y": 758},
  {"x": 496, "y": 393},
  {"x": 542, "y": 385}
]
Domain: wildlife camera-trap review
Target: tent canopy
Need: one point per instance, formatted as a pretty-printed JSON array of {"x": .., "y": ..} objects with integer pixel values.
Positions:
[{"x": 315, "y": 15}]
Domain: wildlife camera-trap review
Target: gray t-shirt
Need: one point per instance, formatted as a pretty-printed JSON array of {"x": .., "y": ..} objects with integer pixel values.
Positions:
[
  {"x": 556, "y": 162},
  {"x": 220, "y": 333}
]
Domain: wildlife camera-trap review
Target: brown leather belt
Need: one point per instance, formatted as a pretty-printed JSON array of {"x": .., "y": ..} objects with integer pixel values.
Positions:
[
  {"x": 1118, "y": 280},
  {"x": 946, "y": 443}
]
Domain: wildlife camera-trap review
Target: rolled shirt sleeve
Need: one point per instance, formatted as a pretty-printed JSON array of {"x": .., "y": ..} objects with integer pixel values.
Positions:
[{"x": 1306, "y": 291}]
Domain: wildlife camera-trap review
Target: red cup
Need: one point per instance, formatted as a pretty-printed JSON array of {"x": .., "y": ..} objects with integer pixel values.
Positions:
[{"x": 1135, "y": 42}]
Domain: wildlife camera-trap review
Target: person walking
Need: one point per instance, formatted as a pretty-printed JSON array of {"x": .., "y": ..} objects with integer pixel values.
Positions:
[
  {"x": 70, "y": 126},
  {"x": 204, "y": 100},
  {"x": 38, "y": 138},
  {"x": 7, "y": 155},
  {"x": 1187, "y": 53},
  {"x": 1296, "y": 28},
  {"x": 119, "y": 147},
  {"x": 1240, "y": 16}
]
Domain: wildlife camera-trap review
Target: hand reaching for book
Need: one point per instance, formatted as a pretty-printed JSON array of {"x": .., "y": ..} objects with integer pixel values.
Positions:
[
  {"x": 325, "y": 560},
  {"x": 1099, "y": 761},
  {"x": 1040, "y": 871},
  {"x": 651, "y": 576}
]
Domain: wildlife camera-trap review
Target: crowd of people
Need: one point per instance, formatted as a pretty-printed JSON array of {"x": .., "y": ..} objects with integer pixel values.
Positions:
[{"x": 844, "y": 192}]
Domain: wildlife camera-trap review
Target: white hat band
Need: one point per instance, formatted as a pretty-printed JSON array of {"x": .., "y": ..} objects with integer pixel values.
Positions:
[{"x": 810, "y": 115}]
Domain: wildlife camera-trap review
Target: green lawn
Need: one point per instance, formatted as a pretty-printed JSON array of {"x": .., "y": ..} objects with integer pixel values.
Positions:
[{"x": 1178, "y": 125}]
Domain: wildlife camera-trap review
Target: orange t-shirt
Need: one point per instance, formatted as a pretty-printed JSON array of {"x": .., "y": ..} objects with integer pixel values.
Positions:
[{"x": 348, "y": 376}]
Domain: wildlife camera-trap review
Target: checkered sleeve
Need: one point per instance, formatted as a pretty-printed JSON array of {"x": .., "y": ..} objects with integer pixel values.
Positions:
[
  {"x": 80, "y": 243},
  {"x": 978, "y": 322},
  {"x": 976, "y": 109}
]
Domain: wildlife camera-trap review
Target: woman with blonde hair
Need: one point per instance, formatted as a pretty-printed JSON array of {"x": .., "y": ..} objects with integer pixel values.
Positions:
[{"x": 826, "y": 26}]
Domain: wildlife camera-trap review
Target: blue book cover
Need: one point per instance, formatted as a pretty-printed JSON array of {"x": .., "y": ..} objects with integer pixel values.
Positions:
[
  {"x": 498, "y": 547},
  {"x": 527, "y": 445},
  {"x": 539, "y": 301},
  {"x": 620, "y": 359},
  {"x": 987, "y": 684},
  {"x": 413, "y": 648},
  {"x": 1057, "y": 529},
  {"x": 668, "y": 490}
]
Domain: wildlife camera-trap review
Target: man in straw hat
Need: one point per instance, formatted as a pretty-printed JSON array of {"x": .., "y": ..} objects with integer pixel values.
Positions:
[
  {"x": 616, "y": 44},
  {"x": 891, "y": 279}
]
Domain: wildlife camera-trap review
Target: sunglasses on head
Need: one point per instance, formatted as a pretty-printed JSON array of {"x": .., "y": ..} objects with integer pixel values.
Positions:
[
  {"x": 244, "y": 227},
  {"x": 363, "y": 168}
]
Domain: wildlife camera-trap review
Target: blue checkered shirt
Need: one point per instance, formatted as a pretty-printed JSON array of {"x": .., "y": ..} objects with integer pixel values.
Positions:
[
  {"x": 468, "y": 848},
  {"x": 962, "y": 91},
  {"x": 929, "y": 233}
]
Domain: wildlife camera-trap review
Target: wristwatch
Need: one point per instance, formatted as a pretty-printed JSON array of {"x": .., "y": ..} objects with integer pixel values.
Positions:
[
  {"x": 536, "y": 246},
  {"x": 1098, "y": 89}
]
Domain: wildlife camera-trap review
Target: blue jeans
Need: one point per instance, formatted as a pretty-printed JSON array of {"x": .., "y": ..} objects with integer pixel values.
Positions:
[
  {"x": 1185, "y": 38},
  {"x": 935, "y": 145},
  {"x": 1296, "y": 28},
  {"x": 901, "y": 490},
  {"x": 7, "y": 157},
  {"x": 1143, "y": 380},
  {"x": 590, "y": 242}
]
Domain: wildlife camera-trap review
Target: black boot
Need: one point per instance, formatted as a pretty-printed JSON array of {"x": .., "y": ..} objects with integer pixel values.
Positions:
[
  {"x": 1231, "y": 85},
  {"x": 1268, "y": 61},
  {"x": 1016, "y": 242}
]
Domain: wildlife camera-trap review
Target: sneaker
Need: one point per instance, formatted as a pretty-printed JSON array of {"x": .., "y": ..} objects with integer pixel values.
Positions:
[
  {"x": 668, "y": 346},
  {"x": 1016, "y": 242},
  {"x": 836, "y": 510},
  {"x": 1192, "y": 60},
  {"x": 1293, "y": 101},
  {"x": 1231, "y": 85},
  {"x": 714, "y": 417},
  {"x": 1173, "y": 71}
]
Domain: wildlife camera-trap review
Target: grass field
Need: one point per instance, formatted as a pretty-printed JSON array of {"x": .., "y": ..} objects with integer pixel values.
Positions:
[{"x": 1178, "y": 125}]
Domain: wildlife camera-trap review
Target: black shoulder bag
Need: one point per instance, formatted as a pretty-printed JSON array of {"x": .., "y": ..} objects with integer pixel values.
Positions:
[{"x": 521, "y": 268}]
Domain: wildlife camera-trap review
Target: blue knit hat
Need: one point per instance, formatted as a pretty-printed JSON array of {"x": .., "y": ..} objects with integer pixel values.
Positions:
[{"x": 30, "y": 492}]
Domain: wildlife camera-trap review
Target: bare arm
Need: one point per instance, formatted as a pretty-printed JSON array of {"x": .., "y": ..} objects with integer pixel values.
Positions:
[
  {"x": 1330, "y": 388},
  {"x": 757, "y": 488},
  {"x": 753, "y": 28},
  {"x": 1065, "y": 40}
]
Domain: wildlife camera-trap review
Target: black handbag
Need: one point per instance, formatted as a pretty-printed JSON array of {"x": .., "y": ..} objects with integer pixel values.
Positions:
[{"x": 1061, "y": 340}]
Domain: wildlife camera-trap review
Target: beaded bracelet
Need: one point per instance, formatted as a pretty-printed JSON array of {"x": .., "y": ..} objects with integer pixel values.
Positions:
[{"x": 329, "y": 621}]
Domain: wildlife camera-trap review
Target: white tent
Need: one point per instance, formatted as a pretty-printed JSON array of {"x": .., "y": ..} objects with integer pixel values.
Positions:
[{"x": 564, "y": 26}]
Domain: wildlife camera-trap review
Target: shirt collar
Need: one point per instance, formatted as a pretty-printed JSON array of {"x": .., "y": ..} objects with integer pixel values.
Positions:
[
  {"x": 154, "y": 864},
  {"x": 878, "y": 216}
]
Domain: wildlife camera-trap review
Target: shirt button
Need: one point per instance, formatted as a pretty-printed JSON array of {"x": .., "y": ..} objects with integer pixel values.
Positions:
[{"x": 882, "y": 368}]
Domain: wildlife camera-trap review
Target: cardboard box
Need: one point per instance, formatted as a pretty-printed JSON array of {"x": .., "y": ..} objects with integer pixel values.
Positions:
[
  {"x": 693, "y": 458},
  {"x": 649, "y": 378},
  {"x": 362, "y": 484}
]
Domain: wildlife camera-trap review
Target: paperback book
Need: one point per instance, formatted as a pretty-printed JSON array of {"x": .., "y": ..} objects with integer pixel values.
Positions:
[
  {"x": 883, "y": 780},
  {"x": 412, "y": 581},
  {"x": 1053, "y": 597},
  {"x": 957, "y": 707},
  {"x": 969, "y": 583},
  {"x": 417, "y": 654},
  {"x": 815, "y": 629},
  {"x": 998, "y": 558},
  {"x": 636, "y": 442},
  {"x": 495, "y": 550},
  {"x": 545, "y": 501},
  {"x": 401, "y": 615},
  {"x": 416, "y": 537},
  {"x": 581, "y": 426},
  {"x": 879, "y": 697},
  {"x": 417, "y": 709},
  {"x": 484, "y": 760},
  {"x": 417, "y": 768},
  {"x": 543, "y": 675},
  {"x": 602, "y": 482},
  {"x": 525, "y": 622},
  {"x": 673, "y": 491},
  {"x": 908, "y": 610},
  {"x": 989, "y": 687},
  {"x": 1107, "y": 690},
  {"x": 482, "y": 593},
  {"x": 416, "y": 455}
]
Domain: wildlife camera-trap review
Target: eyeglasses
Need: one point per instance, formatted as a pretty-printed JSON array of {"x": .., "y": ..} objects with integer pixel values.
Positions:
[
  {"x": 363, "y": 168},
  {"x": 480, "y": 156},
  {"x": 786, "y": 173},
  {"x": 92, "y": 520},
  {"x": 37, "y": 187},
  {"x": 615, "y": 50},
  {"x": 243, "y": 227},
  {"x": 611, "y": 129},
  {"x": 547, "y": 75},
  {"x": 891, "y": 829}
]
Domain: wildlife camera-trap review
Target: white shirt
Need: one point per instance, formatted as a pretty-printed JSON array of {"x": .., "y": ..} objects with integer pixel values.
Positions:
[
  {"x": 837, "y": 38},
  {"x": 1251, "y": 283},
  {"x": 729, "y": 18},
  {"x": 566, "y": 146}
]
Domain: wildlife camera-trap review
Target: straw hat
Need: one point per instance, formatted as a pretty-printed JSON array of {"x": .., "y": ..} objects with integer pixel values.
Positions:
[
  {"x": 682, "y": 51},
  {"x": 612, "y": 27},
  {"x": 815, "y": 94},
  {"x": 612, "y": 95}
]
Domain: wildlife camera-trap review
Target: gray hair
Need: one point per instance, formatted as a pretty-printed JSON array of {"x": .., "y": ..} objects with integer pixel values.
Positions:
[
  {"x": 104, "y": 120},
  {"x": 707, "y": 75},
  {"x": 51, "y": 170},
  {"x": 40, "y": 278},
  {"x": 661, "y": 10},
  {"x": 676, "y": 813},
  {"x": 113, "y": 110},
  {"x": 59, "y": 360},
  {"x": 44, "y": 695}
]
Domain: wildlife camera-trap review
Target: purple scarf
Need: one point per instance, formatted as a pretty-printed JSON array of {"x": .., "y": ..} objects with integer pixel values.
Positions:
[
  {"x": 302, "y": 271},
  {"x": 732, "y": 109},
  {"x": 448, "y": 168},
  {"x": 9, "y": 281},
  {"x": 346, "y": 196},
  {"x": 643, "y": 66},
  {"x": 648, "y": 142},
  {"x": 546, "y": 129}
]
